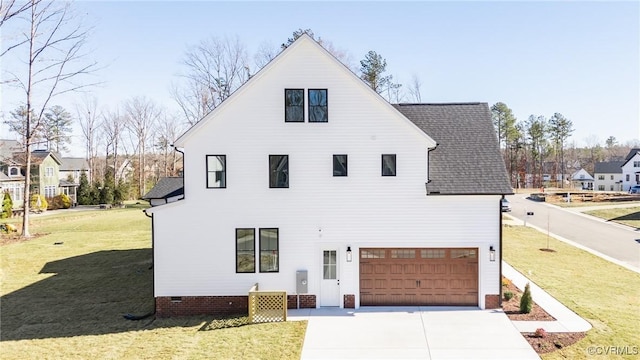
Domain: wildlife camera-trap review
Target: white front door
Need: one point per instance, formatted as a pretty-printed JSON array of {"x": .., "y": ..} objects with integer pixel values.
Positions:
[{"x": 330, "y": 283}]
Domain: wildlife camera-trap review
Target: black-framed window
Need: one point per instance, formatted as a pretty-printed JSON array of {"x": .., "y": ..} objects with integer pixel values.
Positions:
[
  {"x": 294, "y": 105},
  {"x": 339, "y": 165},
  {"x": 318, "y": 110},
  {"x": 278, "y": 171},
  {"x": 269, "y": 253},
  {"x": 245, "y": 250},
  {"x": 216, "y": 171},
  {"x": 388, "y": 164}
]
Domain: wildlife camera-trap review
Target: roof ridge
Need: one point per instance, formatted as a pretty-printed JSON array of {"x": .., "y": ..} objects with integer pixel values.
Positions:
[{"x": 441, "y": 104}]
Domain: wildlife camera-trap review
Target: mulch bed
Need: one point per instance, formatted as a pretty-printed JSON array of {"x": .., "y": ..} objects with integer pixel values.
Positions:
[{"x": 541, "y": 344}]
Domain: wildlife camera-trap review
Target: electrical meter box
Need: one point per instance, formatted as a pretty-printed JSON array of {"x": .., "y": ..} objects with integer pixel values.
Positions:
[{"x": 301, "y": 282}]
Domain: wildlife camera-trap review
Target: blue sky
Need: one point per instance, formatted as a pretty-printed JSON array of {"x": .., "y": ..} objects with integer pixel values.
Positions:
[{"x": 581, "y": 59}]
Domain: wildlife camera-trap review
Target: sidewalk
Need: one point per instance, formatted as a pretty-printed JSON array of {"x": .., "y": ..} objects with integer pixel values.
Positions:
[{"x": 566, "y": 320}]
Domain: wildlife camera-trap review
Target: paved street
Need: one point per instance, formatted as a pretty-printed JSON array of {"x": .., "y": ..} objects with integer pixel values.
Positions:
[{"x": 619, "y": 242}]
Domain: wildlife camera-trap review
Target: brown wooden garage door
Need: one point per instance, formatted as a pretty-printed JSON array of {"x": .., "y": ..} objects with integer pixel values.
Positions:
[{"x": 419, "y": 276}]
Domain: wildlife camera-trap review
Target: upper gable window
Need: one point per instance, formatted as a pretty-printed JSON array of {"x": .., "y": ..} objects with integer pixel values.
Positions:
[
  {"x": 13, "y": 171},
  {"x": 216, "y": 171},
  {"x": 388, "y": 164},
  {"x": 339, "y": 165},
  {"x": 318, "y": 110},
  {"x": 48, "y": 172},
  {"x": 278, "y": 171},
  {"x": 294, "y": 105}
]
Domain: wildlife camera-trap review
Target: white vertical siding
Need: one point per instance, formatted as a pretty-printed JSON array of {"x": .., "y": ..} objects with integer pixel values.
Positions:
[{"x": 195, "y": 237}]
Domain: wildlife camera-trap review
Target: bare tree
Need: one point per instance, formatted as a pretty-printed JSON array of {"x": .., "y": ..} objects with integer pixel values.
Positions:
[
  {"x": 141, "y": 114},
  {"x": 414, "y": 89},
  {"x": 265, "y": 53},
  {"x": 53, "y": 60},
  {"x": 112, "y": 127},
  {"x": 89, "y": 119},
  {"x": 10, "y": 9},
  {"x": 215, "y": 68},
  {"x": 166, "y": 132}
]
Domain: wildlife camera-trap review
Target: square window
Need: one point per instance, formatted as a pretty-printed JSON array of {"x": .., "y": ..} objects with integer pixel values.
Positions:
[
  {"x": 269, "y": 259},
  {"x": 294, "y": 105},
  {"x": 388, "y": 164},
  {"x": 245, "y": 250},
  {"x": 318, "y": 110},
  {"x": 339, "y": 165},
  {"x": 216, "y": 171},
  {"x": 278, "y": 171}
]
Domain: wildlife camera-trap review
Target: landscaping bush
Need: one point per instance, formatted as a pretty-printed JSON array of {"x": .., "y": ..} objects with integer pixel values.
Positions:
[
  {"x": 61, "y": 201},
  {"x": 7, "y": 206},
  {"x": 526, "y": 302},
  {"x": 541, "y": 333},
  {"x": 508, "y": 295},
  {"x": 34, "y": 202},
  {"x": 506, "y": 282}
]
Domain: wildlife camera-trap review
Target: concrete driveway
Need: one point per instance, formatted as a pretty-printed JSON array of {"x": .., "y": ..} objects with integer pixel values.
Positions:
[{"x": 411, "y": 333}]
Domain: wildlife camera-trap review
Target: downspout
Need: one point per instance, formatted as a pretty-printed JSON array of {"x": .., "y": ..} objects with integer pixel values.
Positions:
[
  {"x": 153, "y": 255},
  {"x": 500, "y": 254}
]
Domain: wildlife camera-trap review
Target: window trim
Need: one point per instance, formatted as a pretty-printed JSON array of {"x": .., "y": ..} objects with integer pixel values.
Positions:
[
  {"x": 254, "y": 252},
  {"x": 277, "y": 250},
  {"x": 224, "y": 172},
  {"x": 346, "y": 165},
  {"x": 303, "y": 106},
  {"x": 395, "y": 165},
  {"x": 309, "y": 105},
  {"x": 272, "y": 184}
]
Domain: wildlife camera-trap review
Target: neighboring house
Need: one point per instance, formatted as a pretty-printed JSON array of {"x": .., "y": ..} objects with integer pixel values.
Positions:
[
  {"x": 305, "y": 180},
  {"x": 581, "y": 179},
  {"x": 631, "y": 169},
  {"x": 70, "y": 171},
  {"x": 45, "y": 173},
  {"x": 168, "y": 189},
  {"x": 608, "y": 176}
]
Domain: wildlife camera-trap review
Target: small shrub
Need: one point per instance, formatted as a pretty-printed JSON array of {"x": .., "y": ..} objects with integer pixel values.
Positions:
[
  {"x": 526, "y": 302},
  {"x": 541, "y": 333},
  {"x": 508, "y": 295},
  {"x": 506, "y": 282}
]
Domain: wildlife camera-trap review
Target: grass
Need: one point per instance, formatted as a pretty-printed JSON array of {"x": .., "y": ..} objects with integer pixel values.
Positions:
[
  {"x": 66, "y": 301},
  {"x": 626, "y": 216},
  {"x": 605, "y": 294}
]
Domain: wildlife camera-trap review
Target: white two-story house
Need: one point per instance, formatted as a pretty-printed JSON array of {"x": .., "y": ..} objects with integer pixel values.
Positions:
[
  {"x": 306, "y": 180},
  {"x": 608, "y": 176},
  {"x": 631, "y": 169}
]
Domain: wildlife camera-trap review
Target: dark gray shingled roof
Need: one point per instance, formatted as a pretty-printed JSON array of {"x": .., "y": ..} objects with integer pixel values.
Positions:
[
  {"x": 467, "y": 159},
  {"x": 69, "y": 163},
  {"x": 608, "y": 167},
  {"x": 165, "y": 188}
]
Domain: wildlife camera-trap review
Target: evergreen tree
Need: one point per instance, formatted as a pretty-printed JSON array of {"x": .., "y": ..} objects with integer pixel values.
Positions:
[
  {"x": 7, "y": 206},
  {"x": 84, "y": 190},
  {"x": 108, "y": 187},
  {"x": 526, "y": 302},
  {"x": 56, "y": 128},
  {"x": 372, "y": 68}
]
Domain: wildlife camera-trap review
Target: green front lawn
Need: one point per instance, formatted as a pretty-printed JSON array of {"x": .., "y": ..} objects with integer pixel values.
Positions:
[
  {"x": 605, "y": 294},
  {"x": 63, "y": 294},
  {"x": 626, "y": 216}
]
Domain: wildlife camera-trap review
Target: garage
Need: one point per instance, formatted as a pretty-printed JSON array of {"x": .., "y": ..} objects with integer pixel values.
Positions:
[{"x": 418, "y": 276}]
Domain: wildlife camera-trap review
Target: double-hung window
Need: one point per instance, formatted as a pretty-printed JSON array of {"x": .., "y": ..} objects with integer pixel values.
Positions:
[
  {"x": 216, "y": 171},
  {"x": 48, "y": 172},
  {"x": 318, "y": 109},
  {"x": 294, "y": 105},
  {"x": 278, "y": 171},
  {"x": 245, "y": 250},
  {"x": 339, "y": 165},
  {"x": 388, "y": 164},
  {"x": 269, "y": 253}
]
